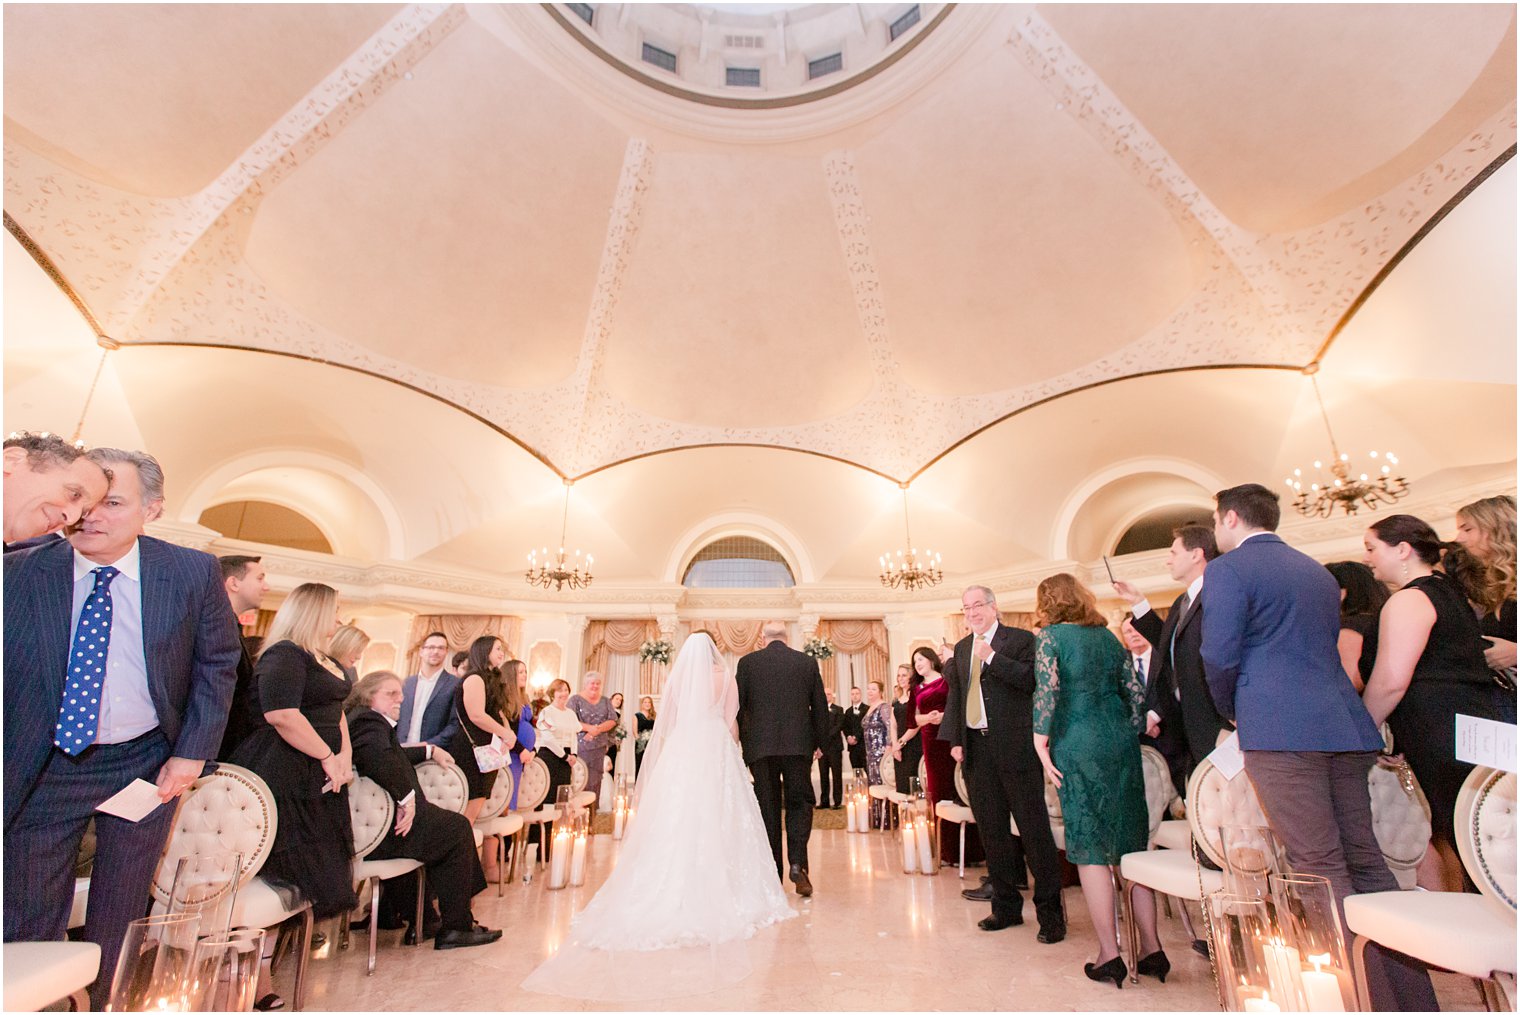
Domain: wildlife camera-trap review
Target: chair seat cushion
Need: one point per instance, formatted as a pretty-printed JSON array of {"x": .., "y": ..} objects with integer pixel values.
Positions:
[
  {"x": 585, "y": 798},
  {"x": 1168, "y": 871},
  {"x": 260, "y": 905},
  {"x": 38, "y": 973},
  {"x": 1174, "y": 835},
  {"x": 479, "y": 836},
  {"x": 507, "y": 824},
  {"x": 1454, "y": 930},
  {"x": 878, "y": 792},
  {"x": 949, "y": 810},
  {"x": 382, "y": 869},
  {"x": 81, "y": 902}
]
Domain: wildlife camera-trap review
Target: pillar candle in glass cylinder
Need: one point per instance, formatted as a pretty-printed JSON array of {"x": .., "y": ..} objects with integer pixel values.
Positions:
[
  {"x": 925, "y": 835},
  {"x": 909, "y": 846},
  {"x": 849, "y": 815},
  {"x": 559, "y": 856},
  {"x": 578, "y": 850}
]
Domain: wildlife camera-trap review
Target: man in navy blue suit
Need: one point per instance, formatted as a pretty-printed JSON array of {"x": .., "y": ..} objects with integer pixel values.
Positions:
[
  {"x": 120, "y": 657},
  {"x": 427, "y": 697},
  {"x": 1270, "y": 623}
]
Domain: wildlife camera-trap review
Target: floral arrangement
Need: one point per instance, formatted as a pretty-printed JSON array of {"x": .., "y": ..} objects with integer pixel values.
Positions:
[
  {"x": 818, "y": 648},
  {"x": 655, "y": 651}
]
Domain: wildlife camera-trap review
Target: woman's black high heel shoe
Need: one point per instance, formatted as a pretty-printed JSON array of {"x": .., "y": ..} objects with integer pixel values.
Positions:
[
  {"x": 1155, "y": 964},
  {"x": 1114, "y": 969}
]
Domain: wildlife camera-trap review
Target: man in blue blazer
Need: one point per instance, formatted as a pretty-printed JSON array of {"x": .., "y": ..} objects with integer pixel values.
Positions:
[
  {"x": 1270, "y": 623},
  {"x": 437, "y": 723},
  {"x": 121, "y": 653}
]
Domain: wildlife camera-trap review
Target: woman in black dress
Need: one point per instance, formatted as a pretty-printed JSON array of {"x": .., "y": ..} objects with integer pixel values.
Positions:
[
  {"x": 480, "y": 703},
  {"x": 1362, "y": 599},
  {"x": 1429, "y": 667},
  {"x": 644, "y": 723},
  {"x": 907, "y": 730},
  {"x": 304, "y": 753}
]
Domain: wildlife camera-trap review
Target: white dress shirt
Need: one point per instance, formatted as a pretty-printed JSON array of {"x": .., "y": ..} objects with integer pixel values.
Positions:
[
  {"x": 126, "y": 706},
  {"x": 420, "y": 697}
]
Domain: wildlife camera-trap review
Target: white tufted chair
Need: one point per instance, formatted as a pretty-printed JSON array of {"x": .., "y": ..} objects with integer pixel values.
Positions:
[
  {"x": 960, "y": 785},
  {"x": 374, "y": 813},
  {"x": 1400, "y": 819},
  {"x": 444, "y": 787},
  {"x": 923, "y": 774},
  {"x": 42, "y": 973},
  {"x": 1159, "y": 789},
  {"x": 949, "y": 810},
  {"x": 579, "y": 774},
  {"x": 232, "y": 810},
  {"x": 1469, "y": 934},
  {"x": 532, "y": 791},
  {"x": 504, "y": 826}
]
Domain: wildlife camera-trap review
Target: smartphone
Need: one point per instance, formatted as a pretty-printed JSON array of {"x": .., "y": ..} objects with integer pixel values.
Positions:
[{"x": 1111, "y": 578}]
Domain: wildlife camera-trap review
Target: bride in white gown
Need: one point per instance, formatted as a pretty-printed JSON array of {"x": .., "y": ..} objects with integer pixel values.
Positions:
[{"x": 695, "y": 876}]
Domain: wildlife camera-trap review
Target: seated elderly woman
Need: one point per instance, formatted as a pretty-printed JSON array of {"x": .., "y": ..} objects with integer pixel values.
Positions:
[{"x": 442, "y": 840}]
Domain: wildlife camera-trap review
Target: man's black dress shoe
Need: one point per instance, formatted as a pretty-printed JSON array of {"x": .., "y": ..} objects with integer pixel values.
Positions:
[
  {"x": 800, "y": 879},
  {"x": 995, "y": 922},
  {"x": 465, "y": 938},
  {"x": 1051, "y": 933},
  {"x": 980, "y": 894}
]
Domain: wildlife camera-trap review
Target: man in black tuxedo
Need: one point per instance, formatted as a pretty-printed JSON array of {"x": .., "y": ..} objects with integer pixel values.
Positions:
[
  {"x": 831, "y": 764},
  {"x": 854, "y": 729},
  {"x": 989, "y": 723},
  {"x": 244, "y": 579},
  {"x": 783, "y": 722},
  {"x": 1163, "y": 714},
  {"x": 1179, "y": 641}
]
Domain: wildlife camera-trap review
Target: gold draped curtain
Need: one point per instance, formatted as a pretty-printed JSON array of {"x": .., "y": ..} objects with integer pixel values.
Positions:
[
  {"x": 461, "y": 629},
  {"x": 864, "y": 636},
  {"x": 736, "y": 636},
  {"x": 605, "y": 638}
]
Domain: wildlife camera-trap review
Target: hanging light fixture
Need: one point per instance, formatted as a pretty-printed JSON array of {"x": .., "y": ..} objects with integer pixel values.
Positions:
[
  {"x": 556, "y": 571},
  {"x": 1341, "y": 489},
  {"x": 903, "y": 569}
]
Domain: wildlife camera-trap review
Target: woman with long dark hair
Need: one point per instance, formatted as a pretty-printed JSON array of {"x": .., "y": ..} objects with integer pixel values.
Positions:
[
  {"x": 1362, "y": 599},
  {"x": 908, "y": 743},
  {"x": 481, "y": 704}
]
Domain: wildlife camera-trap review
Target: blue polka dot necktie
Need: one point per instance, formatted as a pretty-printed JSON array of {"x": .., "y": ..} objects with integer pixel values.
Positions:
[{"x": 79, "y": 714}]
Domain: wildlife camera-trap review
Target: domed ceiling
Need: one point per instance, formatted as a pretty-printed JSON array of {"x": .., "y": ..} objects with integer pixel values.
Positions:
[{"x": 468, "y": 201}]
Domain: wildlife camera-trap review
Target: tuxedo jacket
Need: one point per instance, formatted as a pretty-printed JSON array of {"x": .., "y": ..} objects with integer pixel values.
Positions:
[
  {"x": 833, "y": 741},
  {"x": 190, "y": 643},
  {"x": 852, "y": 721},
  {"x": 1178, "y": 669},
  {"x": 782, "y": 710},
  {"x": 378, "y": 754},
  {"x": 439, "y": 720},
  {"x": 1271, "y": 618},
  {"x": 1007, "y": 694}
]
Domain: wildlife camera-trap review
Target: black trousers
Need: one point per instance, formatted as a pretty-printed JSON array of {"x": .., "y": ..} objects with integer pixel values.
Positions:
[
  {"x": 786, "y": 780},
  {"x": 445, "y": 843},
  {"x": 1001, "y": 784},
  {"x": 831, "y": 779}
]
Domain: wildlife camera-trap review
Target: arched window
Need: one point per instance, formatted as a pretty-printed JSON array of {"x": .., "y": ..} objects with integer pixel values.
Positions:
[
  {"x": 738, "y": 562},
  {"x": 261, "y": 522},
  {"x": 1153, "y": 531}
]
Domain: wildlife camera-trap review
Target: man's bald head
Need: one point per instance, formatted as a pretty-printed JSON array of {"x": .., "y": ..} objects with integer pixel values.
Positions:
[{"x": 772, "y": 630}]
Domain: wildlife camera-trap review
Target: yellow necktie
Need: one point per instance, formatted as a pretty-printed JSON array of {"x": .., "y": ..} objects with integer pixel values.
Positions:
[{"x": 974, "y": 715}]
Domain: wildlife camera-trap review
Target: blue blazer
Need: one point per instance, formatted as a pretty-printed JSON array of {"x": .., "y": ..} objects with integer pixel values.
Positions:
[
  {"x": 190, "y": 639},
  {"x": 439, "y": 723},
  {"x": 1270, "y": 622}
]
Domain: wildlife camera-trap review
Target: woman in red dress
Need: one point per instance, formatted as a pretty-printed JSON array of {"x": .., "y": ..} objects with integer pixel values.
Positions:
[{"x": 927, "y": 712}]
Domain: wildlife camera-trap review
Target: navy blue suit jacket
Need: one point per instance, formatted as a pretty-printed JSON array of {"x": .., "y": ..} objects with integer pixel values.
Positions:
[
  {"x": 439, "y": 723},
  {"x": 1271, "y": 617},
  {"x": 190, "y": 639}
]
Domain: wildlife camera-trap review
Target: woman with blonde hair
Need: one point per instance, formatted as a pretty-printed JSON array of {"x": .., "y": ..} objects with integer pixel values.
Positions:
[
  {"x": 347, "y": 645},
  {"x": 1088, "y": 709},
  {"x": 304, "y": 754},
  {"x": 1487, "y": 529}
]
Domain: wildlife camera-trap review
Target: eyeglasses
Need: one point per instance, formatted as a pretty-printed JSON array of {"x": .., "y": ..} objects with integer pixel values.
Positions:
[{"x": 972, "y": 607}]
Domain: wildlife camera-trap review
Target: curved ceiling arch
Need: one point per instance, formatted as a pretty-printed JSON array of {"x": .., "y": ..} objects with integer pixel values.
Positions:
[
  {"x": 756, "y": 526},
  {"x": 1084, "y": 494}
]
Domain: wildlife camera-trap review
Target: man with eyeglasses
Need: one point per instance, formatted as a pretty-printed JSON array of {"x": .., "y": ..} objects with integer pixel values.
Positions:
[{"x": 989, "y": 722}]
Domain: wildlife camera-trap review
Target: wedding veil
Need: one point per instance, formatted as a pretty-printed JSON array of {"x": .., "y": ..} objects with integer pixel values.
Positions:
[{"x": 699, "y": 688}]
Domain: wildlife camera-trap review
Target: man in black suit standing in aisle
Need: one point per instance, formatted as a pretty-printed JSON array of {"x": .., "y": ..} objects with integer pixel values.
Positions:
[
  {"x": 831, "y": 764},
  {"x": 1178, "y": 659},
  {"x": 854, "y": 729},
  {"x": 245, "y": 582},
  {"x": 989, "y": 722},
  {"x": 783, "y": 721}
]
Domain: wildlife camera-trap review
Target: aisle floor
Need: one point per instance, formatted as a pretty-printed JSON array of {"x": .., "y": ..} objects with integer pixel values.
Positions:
[{"x": 870, "y": 939}]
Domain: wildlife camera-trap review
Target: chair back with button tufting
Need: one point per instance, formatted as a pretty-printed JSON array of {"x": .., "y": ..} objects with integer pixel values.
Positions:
[
  {"x": 444, "y": 787},
  {"x": 1400, "y": 820},
  {"x": 373, "y": 813},
  {"x": 1214, "y": 801},
  {"x": 1159, "y": 789},
  {"x": 501, "y": 793},
  {"x": 960, "y": 785},
  {"x": 228, "y": 811},
  {"x": 1485, "y": 825},
  {"x": 533, "y": 788},
  {"x": 579, "y": 775}
]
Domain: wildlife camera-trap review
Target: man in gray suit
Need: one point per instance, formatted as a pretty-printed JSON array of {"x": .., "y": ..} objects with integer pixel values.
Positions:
[{"x": 121, "y": 654}]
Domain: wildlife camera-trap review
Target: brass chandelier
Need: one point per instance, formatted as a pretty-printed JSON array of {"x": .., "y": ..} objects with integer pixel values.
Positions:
[
  {"x": 1366, "y": 489},
  {"x": 558, "y": 571},
  {"x": 903, "y": 569}
]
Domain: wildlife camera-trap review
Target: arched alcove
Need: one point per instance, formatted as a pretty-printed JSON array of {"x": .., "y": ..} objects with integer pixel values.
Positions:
[{"x": 261, "y": 521}]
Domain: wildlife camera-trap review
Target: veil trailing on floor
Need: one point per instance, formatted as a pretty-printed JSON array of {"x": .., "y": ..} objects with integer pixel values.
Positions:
[{"x": 694, "y": 877}]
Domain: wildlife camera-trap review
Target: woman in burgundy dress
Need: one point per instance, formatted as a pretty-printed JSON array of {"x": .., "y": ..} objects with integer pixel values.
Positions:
[{"x": 927, "y": 711}]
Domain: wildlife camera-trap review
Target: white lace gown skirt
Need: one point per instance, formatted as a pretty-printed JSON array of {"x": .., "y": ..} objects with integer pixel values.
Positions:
[{"x": 694, "y": 879}]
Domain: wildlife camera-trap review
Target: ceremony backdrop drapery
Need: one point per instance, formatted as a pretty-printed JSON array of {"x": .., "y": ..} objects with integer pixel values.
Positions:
[
  {"x": 461, "y": 629},
  {"x": 860, "y": 656},
  {"x": 733, "y": 638},
  {"x": 612, "y": 649}
]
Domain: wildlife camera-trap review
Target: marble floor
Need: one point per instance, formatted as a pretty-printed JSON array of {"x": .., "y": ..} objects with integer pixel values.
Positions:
[{"x": 870, "y": 939}]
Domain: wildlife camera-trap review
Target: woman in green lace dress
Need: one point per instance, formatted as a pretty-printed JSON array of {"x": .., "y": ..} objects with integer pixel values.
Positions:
[{"x": 1088, "y": 704}]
